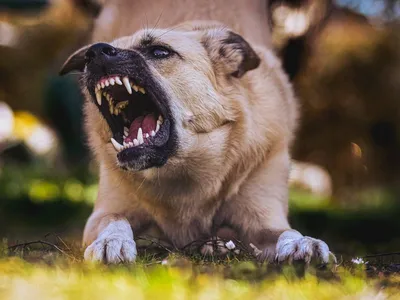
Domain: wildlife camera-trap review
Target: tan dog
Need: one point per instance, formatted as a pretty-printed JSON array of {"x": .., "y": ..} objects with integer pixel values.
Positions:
[{"x": 191, "y": 128}]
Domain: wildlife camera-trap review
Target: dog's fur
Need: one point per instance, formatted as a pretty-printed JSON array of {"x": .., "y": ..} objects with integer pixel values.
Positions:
[
  {"x": 123, "y": 17},
  {"x": 235, "y": 117}
]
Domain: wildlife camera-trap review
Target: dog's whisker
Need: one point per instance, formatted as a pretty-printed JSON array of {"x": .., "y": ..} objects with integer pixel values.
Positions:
[{"x": 158, "y": 20}]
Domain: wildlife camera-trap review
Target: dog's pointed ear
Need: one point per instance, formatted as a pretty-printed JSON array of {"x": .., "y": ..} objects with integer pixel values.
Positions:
[
  {"x": 76, "y": 62},
  {"x": 232, "y": 50}
]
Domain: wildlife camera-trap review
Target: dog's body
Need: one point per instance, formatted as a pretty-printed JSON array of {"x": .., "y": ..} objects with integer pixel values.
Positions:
[
  {"x": 123, "y": 17},
  {"x": 232, "y": 119}
]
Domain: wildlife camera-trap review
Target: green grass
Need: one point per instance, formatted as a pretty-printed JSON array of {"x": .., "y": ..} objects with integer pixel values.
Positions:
[
  {"x": 38, "y": 204},
  {"x": 43, "y": 272},
  {"x": 180, "y": 278}
]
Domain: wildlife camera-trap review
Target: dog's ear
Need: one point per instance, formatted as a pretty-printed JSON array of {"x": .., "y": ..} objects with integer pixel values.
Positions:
[
  {"x": 76, "y": 62},
  {"x": 231, "y": 52}
]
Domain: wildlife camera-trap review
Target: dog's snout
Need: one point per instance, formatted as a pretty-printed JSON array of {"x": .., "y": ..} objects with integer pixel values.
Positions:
[{"x": 100, "y": 50}]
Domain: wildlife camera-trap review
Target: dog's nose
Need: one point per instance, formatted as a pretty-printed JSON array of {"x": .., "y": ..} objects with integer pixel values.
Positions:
[{"x": 98, "y": 50}]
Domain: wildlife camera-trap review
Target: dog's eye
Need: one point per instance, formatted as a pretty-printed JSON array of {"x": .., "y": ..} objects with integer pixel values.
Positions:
[{"x": 160, "y": 52}]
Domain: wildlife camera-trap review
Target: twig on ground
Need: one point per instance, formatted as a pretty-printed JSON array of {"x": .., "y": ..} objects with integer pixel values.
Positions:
[
  {"x": 153, "y": 241},
  {"x": 23, "y": 245},
  {"x": 381, "y": 254}
]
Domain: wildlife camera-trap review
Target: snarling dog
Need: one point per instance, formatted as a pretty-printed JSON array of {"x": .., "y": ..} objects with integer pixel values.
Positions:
[{"x": 191, "y": 128}]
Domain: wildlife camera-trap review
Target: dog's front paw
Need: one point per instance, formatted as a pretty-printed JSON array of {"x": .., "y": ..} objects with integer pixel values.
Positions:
[
  {"x": 294, "y": 246},
  {"x": 114, "y": 245}
]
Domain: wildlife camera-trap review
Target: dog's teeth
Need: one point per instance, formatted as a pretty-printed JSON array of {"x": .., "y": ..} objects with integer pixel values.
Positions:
[
  {"x": 126, "y": 131},
  {"x": 157, "y": 127},
  {"x": 118, "y": 80},
  {"x": 98, "y": 86},
  {"x": 147, "y": 135},
  {"x": 122, "y": 105},
  {"x": 135, "y": 87},
  {"x": 126, "y": 144},
  {"x": 102, "y": 85},
  {"x": 112, "y": 81},
  {"x": 140, "y": 135},
  {"x": 98, "y": 96},
  {"x": 135, "y": 142},
  {"x": 125, "y": 80},
  {"x": 107, "y": 83},
  {"x": 131, "y": 144},
  {"x": 152, "y": 133},
  {"x": 142, "y": 90},
  {"x": 116, "y": 145},
  {"x": 161, "y": 119}
]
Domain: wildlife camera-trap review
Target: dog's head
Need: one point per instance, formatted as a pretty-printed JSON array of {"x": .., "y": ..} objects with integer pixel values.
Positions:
[{"x": 158, "y": 90}]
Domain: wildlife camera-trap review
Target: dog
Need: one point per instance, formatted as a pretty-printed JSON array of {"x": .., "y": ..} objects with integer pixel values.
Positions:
[{"x": 192, "y": 129}]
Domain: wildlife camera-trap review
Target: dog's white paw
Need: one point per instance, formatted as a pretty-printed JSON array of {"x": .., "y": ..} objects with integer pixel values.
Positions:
[
  {"x": 294, "y": 246},
  {"x": 114, "y": 245}
]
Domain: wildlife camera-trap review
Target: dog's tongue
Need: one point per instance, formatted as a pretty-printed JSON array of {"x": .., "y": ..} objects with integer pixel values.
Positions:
[{"x": 147, "y": 123}]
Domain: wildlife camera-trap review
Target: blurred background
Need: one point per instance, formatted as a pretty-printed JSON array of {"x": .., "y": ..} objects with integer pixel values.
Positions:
[{"x": 343, "y": 58}]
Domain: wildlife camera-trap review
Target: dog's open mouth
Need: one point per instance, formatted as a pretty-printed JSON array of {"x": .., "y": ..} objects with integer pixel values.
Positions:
[{"x": 134, "y": 115}]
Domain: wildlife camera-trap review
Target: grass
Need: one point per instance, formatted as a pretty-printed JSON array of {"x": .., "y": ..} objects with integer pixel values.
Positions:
[
  {"x": 38, "y": 271},
  {"x": 35, "y": 203},
  {"x": 181, "y": 278}
]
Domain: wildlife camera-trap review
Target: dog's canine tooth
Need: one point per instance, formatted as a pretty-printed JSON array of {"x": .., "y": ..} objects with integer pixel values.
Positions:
[
  {"x": 161, "y": 119},
  {"x": 116, "y": 145},
  {"x": 157, "y": 127},
  {"x": 147, "y": 135},
  {"x": 112, "y": 81},
  {"x": 135, "y": 142},
  {"x": 140, "y": 135},
  {"x": 118, "y": 80},
  {"x": 106, "y": 82},
  {"x": 142, "y": 90},
  {"x": 102, "y": 85},
  {"x": 152, "y": 133},
  {"x": 98, "y": 86},
  {"x": 135, "y": 87},
  {"x": 125, "y": 80},
  {"x": 98, "y": 96},
  {"x": 126, "y": 131}
]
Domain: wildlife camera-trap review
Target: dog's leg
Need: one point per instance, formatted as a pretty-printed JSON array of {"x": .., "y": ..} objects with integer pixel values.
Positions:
[
  {"x": 259, "y": 211},
  {"x": 108, "y": 233}
]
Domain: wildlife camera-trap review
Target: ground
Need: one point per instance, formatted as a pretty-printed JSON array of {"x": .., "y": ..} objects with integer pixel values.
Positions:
[
  {"x": 40, "y": 273},
  {"x": 42, "y": 214}
]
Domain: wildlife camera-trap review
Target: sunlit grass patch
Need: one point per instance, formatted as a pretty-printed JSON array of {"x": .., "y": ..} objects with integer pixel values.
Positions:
[{"x": 22, "y": 280}]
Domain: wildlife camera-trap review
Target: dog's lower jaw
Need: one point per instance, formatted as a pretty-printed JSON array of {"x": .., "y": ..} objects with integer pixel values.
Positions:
[{"x": 114, "y": 244}]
